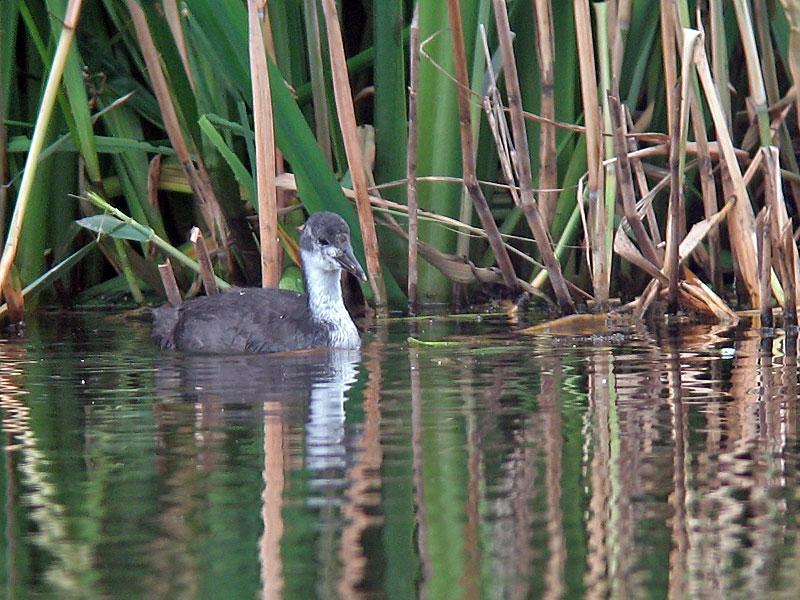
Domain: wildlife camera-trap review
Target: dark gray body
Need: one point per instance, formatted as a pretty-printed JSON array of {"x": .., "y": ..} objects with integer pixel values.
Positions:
[
  {"x": 240, "y": 320},
  {"x": 270, "y": 320}
]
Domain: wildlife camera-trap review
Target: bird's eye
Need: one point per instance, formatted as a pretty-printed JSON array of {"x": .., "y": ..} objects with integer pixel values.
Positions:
[{"x": 323, "y": 241}]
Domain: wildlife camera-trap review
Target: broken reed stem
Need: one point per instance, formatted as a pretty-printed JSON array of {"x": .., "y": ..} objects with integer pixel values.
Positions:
[
  {"x": 411, "y": 161},
  {"x": 204, "y": 260},
  {"x": 197, "y": 177},
  {"x": 764, "y": 266},
  {"x": 625, "y": 181},
  {"x": 153, "y": 237},
  {"x": 522, "y": 162},
  {"x": 467, "y": 153},
  {"x": 545, "y": 51},
  {"x": 347, "y": 122},
  {"x": 741, "y": 225},
  {"x": 37, "y": 141},
  {"x": 708, "y": 187},
  {"x": 265, "y": 150},
  {"x": 171, "y": 288}
]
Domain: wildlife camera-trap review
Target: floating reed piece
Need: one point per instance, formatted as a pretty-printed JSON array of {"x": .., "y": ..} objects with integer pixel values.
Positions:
[
  {"x": 411, "y": 161},
  {"x": 467, "y": 152},
  {"x": 171, "y": 288},
  {"x": 265, "y": 149},
  {"x": 522, "y": 162},
  {"x": 204, "y": 260},
  {"x": 347, "y": 123},
  {"x": 39, "y": 136}
]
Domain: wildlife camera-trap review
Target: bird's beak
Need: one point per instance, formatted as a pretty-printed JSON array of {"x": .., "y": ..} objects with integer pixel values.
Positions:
[{"x": 350, "y": 263}]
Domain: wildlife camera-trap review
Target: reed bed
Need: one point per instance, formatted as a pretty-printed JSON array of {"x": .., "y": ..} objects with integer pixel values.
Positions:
[{"x": 613, "y": 156}]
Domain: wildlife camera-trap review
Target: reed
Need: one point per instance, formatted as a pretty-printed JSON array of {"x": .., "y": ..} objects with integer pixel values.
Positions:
[
  {"x": 169, "y": 122},
  {"x": 37, "y": 142},
  {"x": 347, "y": 122},
  {"x": 265, "y": 150}
]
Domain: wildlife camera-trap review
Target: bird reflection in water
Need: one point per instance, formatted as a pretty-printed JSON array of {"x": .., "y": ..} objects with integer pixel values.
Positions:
[{"x": 301, "y": 398}]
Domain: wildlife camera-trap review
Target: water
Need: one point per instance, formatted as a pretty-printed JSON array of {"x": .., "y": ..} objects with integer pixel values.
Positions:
[{"x": 636, "y": 465}]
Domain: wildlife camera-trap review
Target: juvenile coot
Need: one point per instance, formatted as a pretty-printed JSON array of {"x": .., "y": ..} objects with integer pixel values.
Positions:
[{"x": 272, "y": 320}]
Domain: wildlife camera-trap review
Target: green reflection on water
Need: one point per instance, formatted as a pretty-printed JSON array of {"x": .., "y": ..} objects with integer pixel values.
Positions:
[{"x": 502, "y": 467}]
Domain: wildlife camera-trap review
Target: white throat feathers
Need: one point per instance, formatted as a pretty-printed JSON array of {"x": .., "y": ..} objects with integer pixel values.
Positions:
[{"x": 324, "y": 288}]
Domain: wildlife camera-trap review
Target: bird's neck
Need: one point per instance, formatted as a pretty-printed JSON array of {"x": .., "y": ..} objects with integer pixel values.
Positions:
[{"x": 326, "y": 305}]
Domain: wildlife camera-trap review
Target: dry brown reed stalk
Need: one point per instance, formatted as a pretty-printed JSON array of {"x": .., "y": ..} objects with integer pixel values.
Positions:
[
  {"x": 696, "y": 295},
  {"x": 39, "y": 136},
  {"x": 15, "y": 300},
  {"x": 679, "y": 129},
  {"x": 320, "y": 94},
  {"x": 456, "y": 268},
  {"x": 790, "y": 284},
  {"x": 742, "y": 223},
  {"x": 774, "y": 199},
  {"x": 204, "y": 260},
  {"x": 281, "y": 199},
  {"x": 173, "y": 19},
  {"x": 411, "y": 161},
  {"x": 764, "y": 265},
  {"x": 171, "y": 288},
  {"x": 791, "y": 9},
  {"x": 625, "y": 182},
  {"x": 347, "y": 123},
  {"x": 196, "y": 175},
  {"x": 669, "y": 53},
  {"x": 719, "y": 56},
  {"x": 620, "y": 24},
  {"x": 265, "y": 150},
  {"x": 495, "y": 117},
  {"x": 522, "y": 162},
  {"x": 644, "y": 190},
  {"x": 769, "y": 65},
  {"x": 705, "y": 169},
  {"x": 755, "y": 78},
  {"x": 600, "y": 269},
  {"x": 467, "y": 153},
  {"x": 545, "y": 51}
]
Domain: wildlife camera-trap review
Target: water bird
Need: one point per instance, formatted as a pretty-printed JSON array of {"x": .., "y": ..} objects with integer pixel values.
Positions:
[{"x": 273, "y": 320}]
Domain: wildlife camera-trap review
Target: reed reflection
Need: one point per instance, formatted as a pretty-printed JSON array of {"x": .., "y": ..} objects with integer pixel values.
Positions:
[
  {"x": 34, "y": 510},
  {"x": 300, "y": 399}
]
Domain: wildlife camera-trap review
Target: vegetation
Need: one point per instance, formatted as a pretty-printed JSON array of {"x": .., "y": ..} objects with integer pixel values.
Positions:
[{"x": 626, "y": 149}]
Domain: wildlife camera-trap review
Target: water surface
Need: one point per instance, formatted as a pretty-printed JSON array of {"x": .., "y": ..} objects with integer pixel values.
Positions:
[{"x": 646, "y": 464}]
